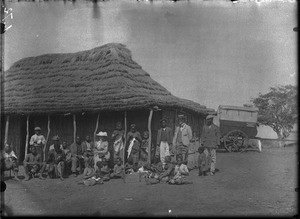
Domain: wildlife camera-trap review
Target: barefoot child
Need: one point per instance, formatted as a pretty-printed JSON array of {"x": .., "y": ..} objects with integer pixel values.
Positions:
[
  {"x": 104, "y": 172},
  {"x": 119, "y": 171},
  {"x": 156, "y": 169},
  {"x": 181, "y": 171},
  {"x": 165, "y": 175},
  {"x": 202, "y": 162},
  {"x": 89, "y": 174}
]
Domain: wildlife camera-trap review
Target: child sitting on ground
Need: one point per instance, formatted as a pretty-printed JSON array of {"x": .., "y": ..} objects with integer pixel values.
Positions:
[
  {"x": 165, "y": 175},
  {"x": 202, "y": 162},
  {"x": 129, "y": 167},
  {"x": 156, "y": 169},
  {"x": 119, "y": 171},
  {"x": 89, "y": 177},
  {"x": 104, "y": 170},
  {"x": 181, "y": 170}
]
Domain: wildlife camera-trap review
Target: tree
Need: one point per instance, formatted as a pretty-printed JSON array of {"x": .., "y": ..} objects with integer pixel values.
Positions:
[{"x": 278, "y": 109}]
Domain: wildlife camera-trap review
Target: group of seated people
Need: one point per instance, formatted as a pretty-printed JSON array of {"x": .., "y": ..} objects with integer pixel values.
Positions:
[
  {"x": 174, "y": 172},
  {"x": 95, "y": 162}
]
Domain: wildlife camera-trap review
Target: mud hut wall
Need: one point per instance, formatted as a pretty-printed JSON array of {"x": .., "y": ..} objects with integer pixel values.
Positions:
[{"x": 3, "y": 120}]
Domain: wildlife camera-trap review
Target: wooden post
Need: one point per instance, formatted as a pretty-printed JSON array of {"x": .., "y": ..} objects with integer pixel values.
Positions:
[
  {"x": 27, "y": 135},
  {"x": 150, "y": 136},
  {"x": 125, "y": 141},
  {"x": 6, "y": 130},
  {"x": 97, "y": 124},
  {"x": 74, "y": 128},
  {"x": 47, "y": 137}
]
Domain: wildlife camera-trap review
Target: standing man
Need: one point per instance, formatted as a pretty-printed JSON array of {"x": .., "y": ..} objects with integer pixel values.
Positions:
[
  {"x": 183, "y": 136},
  {"x": 164, "y": 140},
  {"x": 38, "y": 140},
  {"x": 210, "y": 140},
  {"x": 76, "y": 156}
]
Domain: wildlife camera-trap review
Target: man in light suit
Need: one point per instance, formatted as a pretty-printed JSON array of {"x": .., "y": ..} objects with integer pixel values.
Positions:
[
  {"x": 182, "y": 137},
  {"x": 164, "y": 140},
  {"x": 210, "y": 140}
]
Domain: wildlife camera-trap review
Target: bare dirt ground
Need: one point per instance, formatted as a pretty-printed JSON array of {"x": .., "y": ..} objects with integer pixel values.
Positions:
[{"x": 250, "y": 183}]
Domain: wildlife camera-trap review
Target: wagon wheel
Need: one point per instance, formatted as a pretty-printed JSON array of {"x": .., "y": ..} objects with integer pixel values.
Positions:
[{"x": 236, "y": 141}]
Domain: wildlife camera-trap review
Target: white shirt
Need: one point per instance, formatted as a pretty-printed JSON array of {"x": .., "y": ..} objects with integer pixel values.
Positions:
[
  {"x": 182, "y": 127},
  {"x": 37, "y": 140}
]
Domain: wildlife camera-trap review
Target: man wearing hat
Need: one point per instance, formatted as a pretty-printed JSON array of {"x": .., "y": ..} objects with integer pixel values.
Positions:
[
  {"x": 38, "y": 140},
  {"x": 183, "y": 136},
  {"x": 164, "y": 140},
  {"x": 210, "y": 140}
]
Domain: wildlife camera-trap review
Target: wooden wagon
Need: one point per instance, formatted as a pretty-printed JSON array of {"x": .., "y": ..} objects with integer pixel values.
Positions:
[{"x": 237, "y": 126}]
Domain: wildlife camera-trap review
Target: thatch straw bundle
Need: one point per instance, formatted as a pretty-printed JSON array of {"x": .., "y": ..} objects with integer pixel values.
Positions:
[{"x": 101, "y": 79}]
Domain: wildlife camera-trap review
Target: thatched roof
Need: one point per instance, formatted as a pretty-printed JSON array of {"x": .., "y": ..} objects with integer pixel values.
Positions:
[{"x": 101, "y": 79}]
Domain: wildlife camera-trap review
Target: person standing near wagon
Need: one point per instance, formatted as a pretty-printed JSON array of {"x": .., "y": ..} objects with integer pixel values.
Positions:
[
  {"x": 183, "y": 136},
  {"x": 210, "y": 140},
  {"x": 164, "y": 140},
  {"x": 38, "y": 140}
]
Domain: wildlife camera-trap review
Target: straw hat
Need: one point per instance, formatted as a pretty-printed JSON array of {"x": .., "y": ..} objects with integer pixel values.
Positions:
[
  {"x": 209, "y": 117},
  {"x": 102, "y": 134},
  {"x": 37, "y": 129}
]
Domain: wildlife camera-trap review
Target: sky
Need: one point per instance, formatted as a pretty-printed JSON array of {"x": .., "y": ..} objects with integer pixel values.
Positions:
[{"x": 212, "y": 52}]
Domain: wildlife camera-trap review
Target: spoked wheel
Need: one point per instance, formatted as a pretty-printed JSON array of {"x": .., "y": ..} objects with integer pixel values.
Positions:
[{"x": 236, "y": 141}]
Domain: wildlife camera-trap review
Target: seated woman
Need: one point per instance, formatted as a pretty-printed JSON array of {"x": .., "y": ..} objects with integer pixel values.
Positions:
[
  {"x": 101, "y": 148},
  {"x": 10, "y": 161},
  {"x": 180, "y": 171}
]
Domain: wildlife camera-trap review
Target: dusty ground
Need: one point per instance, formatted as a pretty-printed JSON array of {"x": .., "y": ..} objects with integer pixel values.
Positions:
[{"x": 250, "y": 183}]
